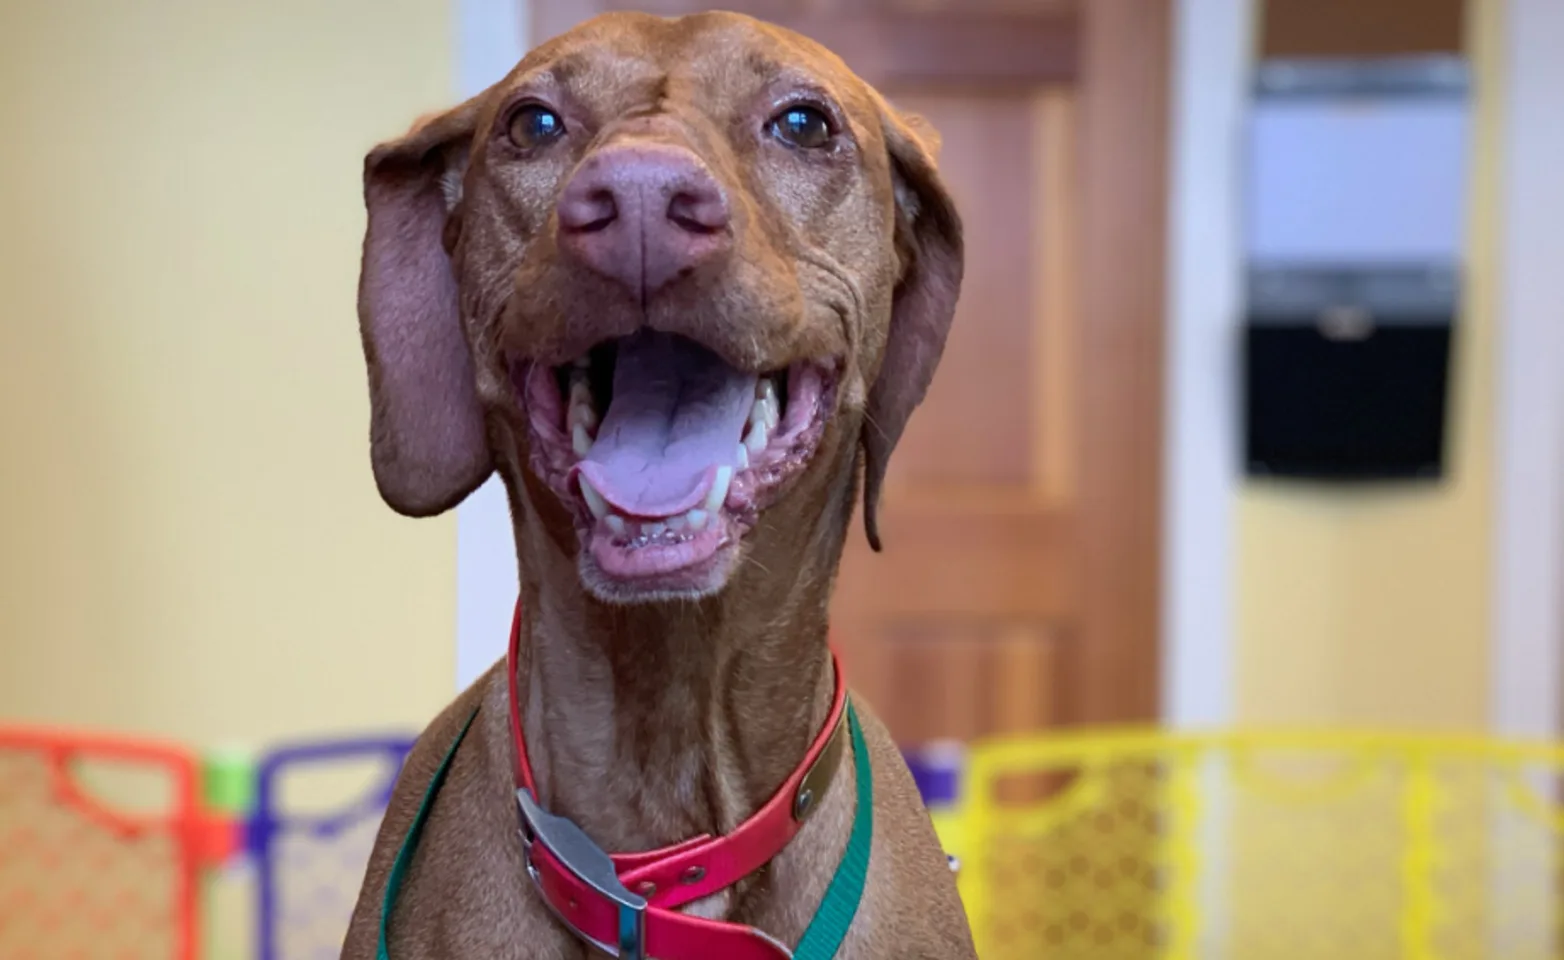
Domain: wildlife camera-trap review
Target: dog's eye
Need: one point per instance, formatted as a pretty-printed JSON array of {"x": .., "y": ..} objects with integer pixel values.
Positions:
[
  {"x": 533, "y": 125},
  {"x": 802, "y": 126}
]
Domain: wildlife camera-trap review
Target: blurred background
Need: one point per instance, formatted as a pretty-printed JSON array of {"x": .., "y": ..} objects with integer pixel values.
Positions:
[{"x": 1253, "y": 416}]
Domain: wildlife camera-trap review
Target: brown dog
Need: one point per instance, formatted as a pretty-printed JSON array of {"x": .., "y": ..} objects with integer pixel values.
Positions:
[{"x": 673, "y": 279}]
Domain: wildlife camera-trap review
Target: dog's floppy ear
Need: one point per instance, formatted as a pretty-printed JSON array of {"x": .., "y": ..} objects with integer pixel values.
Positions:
[
  {"x": 928, "y": 247},
  {"x": 427, "y": 441}
]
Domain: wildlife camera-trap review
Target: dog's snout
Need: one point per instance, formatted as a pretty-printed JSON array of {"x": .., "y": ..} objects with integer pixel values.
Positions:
[{"x": 644, "y": 215}]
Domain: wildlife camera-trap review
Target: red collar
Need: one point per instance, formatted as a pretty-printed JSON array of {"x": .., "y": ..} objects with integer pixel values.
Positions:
[{"x": 626, "y": 904}]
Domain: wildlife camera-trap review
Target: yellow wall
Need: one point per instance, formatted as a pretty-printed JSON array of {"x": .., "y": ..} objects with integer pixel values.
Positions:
[
  {"x": 192, "y": 545},
  {"x": 1372, "y": 608}
]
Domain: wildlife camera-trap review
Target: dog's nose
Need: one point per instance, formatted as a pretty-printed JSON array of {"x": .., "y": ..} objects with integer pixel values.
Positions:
[{"x": 644, "y": 215}]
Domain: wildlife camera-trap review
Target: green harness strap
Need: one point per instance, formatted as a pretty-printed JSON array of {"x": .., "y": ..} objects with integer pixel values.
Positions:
[{"x": 826, "y": 931}]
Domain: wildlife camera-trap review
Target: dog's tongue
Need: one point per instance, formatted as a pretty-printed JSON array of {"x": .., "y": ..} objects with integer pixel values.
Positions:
[{"x": 677, "y": 415}]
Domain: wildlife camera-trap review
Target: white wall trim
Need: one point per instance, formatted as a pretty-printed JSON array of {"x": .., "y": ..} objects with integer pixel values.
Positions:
[
  {"x": 1529, "y": 490},
  {"x": 491, "y": 36},
  {"x": 1211, "y": 62},
  {"x": 1212, "y": 59}
]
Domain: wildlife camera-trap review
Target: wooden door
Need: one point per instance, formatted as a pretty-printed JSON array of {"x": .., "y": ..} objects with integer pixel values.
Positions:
[{"x": 1019, "y": 584}]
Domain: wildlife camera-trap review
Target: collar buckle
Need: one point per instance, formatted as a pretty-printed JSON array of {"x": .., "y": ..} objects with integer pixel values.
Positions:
[{"x": 586, "y": 861}]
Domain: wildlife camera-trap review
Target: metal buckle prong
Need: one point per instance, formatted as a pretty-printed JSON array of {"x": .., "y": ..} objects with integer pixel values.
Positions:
[{"x": 576, "y": 852}]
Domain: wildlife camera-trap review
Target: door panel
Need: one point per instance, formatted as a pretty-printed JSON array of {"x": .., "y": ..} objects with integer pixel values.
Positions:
[
  {"x": 980, "y": 429},
  {"x": 1018, "y": 589},
  {"x": 963, "y": 678}
]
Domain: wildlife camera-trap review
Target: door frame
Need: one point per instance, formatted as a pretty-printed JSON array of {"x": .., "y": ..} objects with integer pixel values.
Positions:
[
  {"x": 1213, "y": 63},
  {"x": 1527, "y": 696},
  {"x": 490, "y": 37}
]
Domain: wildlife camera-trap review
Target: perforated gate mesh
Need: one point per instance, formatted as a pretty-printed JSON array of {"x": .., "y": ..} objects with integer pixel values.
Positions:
[
  {"x": 310, "y": 864},
  {"x": 1262, "y": 847},
  {"x": 80, "y": 880}
]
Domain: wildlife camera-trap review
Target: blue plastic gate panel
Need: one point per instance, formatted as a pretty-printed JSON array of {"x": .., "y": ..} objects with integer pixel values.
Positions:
[{"x": 310, "y": 865}]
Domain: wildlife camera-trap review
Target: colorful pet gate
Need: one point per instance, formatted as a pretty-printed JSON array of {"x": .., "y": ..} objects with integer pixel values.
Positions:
[
  {"x": 83, "y": 875},
  {"x": 1089, "y": 845},
  {"x": 310, "y": 862},
  {"x": 1263, "y": 847}
]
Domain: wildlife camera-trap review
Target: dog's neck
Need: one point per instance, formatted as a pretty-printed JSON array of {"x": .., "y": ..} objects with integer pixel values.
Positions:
[{"x": 653, "y": 723}]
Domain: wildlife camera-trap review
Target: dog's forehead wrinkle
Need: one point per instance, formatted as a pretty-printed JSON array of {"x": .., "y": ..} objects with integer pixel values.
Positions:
[
  {"x": 556, "y": 72},
  {"x": 598, "y": 80}
]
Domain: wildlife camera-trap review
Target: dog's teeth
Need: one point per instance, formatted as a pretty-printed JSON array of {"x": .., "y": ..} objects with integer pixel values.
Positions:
[
  {"x": 616, "y": 524},
  {"x": 580, "y": 401},
  {"x": 719, "y": 490},
  {"x": 595, "y": 501},
  {"x": 676, "y": 524},
  {"x": 582, "y": 416},
  {"x": 769, "y": 404},
  {"x": 743, "y": 457},
  {"x": 696, "y": 519},
  {"x": 653, "y": 529},
  {"x": 580, "y": 440},
  {"x": 764, "y": 413},
  {"x": 757, "y": 438}
]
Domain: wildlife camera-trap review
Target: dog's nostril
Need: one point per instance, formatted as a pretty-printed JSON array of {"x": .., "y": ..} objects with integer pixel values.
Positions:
[
  {"x": 700, "y": 210},
  {"x": 589, "y": 212}
]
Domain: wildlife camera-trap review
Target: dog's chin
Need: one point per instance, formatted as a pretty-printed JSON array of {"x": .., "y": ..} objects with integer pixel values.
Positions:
[
  {"x": 665, "y": 456},
  {"x": 689, "y": 570}
]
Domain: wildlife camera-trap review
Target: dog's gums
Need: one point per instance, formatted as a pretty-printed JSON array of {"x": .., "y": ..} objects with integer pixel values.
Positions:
[{"x": 665, "y": 455}]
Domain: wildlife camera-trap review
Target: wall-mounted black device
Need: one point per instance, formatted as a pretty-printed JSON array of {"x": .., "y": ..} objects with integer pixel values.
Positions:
[{"x": 1354, "y": 235}]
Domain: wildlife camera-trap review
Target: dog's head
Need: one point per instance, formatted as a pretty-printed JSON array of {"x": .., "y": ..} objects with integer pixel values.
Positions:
[{"x": 668, "y": 276}]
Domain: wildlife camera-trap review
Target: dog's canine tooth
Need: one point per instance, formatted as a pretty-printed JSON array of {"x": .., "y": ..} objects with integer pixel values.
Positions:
[
  {"x": 595, "y": 502},
  {"x": 757, "y": 412},
  {"x": 769, "y": 409},
  {"x": 719, "y": 490},
  {"x": 580, "y": 390},
  {"x": 743, "y": 457},
  {"x": 580, "y": 414},
  {"x": 765, "y": 413},
  {"x": 757, "y": 438},
  {"x": 696, "y": 519},
  {"x": 584, "y": 416}
]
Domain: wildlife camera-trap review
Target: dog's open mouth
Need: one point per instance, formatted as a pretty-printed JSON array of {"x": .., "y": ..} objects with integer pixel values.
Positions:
[{"x": 666, "y": 453}]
